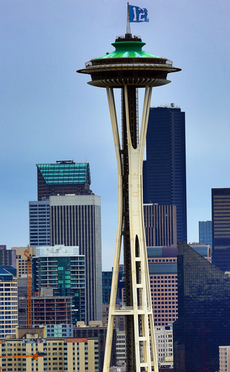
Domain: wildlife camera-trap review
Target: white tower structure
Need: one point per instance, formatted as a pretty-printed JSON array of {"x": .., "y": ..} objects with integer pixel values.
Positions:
[{"x": 129, "y": 68}]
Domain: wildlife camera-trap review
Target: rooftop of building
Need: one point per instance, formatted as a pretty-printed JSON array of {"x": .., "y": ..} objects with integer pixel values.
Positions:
[
  {"x": 65, "y": 172},
  {"x": 57, "y": 251},
  {"x": 7, "y": 273}
]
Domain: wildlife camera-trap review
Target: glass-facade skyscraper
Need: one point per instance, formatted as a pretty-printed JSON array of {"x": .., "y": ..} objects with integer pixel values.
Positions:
[
  {"x": 205, "y": 232},
  {"x": 164, "y": 171},
  {"x": 203, "y": 322},
  {"x": 221, "y": 228},
  {"x": 63, "y": 177},
  {"x": 63, "y": 269}
]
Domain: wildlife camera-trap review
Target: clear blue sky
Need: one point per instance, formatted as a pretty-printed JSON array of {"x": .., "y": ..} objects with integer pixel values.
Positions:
[{"x": 49, "y": 113}]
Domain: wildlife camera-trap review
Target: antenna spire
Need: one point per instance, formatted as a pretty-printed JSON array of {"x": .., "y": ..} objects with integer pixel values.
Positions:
[{"x": 128, "y": 30}]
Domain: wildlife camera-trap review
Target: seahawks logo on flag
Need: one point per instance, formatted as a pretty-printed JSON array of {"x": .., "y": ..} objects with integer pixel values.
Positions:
[{"x": 137, "y": 14}]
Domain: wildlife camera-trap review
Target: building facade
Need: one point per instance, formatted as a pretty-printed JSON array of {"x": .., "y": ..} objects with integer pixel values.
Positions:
[
  {"x": 39, "y": 223},
  {"x": 7, "y": 257},
  {"x": 8, "y": 300},
  {"x": 21, "y": 260},
  {"x": 164, "y": 171},
  {"x": 205, "y": 232},
  {"x": 76, "y": 220},
  {"x": 52, "y": 310},
  {"x": 203, "y": 322},
  {"x": 221, "y": 228},
  {"x": 164, "y": 342},
  {"x": 160, "y": 225},
  {"x": 95, "y": 331},
  {"x": 224, "y": 358},
  {"x": 203, "y": 249},
  {"x": 63, "y": 269},
  {"x": 121, "y": 348},
  {"x": 59, "y": 330},
  {"x": 163, "y": 284},
  {"x": 57, "y": 354}
]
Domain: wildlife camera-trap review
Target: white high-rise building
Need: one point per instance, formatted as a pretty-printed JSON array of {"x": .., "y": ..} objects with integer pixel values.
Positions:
[
  {"x": 224, "y": 358},
  {"x": 8, "y": 300},
  {"x": 164, "y": 343},
  {"x": 75, "y": 220}
]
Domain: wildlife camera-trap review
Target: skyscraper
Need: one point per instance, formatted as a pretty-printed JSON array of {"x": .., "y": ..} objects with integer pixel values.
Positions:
[
  {"x": 75, "y": 220},
  {"x": 68, "y": 213},
  {"x": 39, "y": 221},
  {"x": 203, "y": 322},
  {"x": 164, "y": 171},
  {"x": 205, "y": 232},
  {"x": 163, "y": 283},
  {"x": 221, "y": 228},
  {"x": 63, "y": 269},
  {"x": 160, "y": 225}
]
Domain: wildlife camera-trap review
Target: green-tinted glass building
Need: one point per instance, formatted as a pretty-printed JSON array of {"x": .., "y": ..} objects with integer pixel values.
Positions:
[
  {"x": 63, "y": 269},
  {"x": 63, "y": 177}
]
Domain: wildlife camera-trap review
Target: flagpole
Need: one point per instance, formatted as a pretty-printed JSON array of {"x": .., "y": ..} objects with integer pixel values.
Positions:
[{"x": 128, "y": 30}]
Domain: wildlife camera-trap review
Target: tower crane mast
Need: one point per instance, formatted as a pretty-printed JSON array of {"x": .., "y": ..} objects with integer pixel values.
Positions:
[{"x": 29, "y": 287}]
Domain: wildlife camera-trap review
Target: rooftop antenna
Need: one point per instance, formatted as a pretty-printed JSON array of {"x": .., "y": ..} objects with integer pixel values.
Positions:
[{"x": 128, "y": 30}]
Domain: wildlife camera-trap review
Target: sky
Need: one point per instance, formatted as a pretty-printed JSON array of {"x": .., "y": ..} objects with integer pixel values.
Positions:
[{"x": 48, "y": 112}]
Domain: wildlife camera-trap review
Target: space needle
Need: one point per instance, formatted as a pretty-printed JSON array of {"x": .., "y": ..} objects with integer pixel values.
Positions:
[{"x": 128, "y": 68}]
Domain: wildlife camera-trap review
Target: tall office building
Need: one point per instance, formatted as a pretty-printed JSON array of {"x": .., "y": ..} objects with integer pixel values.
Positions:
[
  {"x": 203, "y": 322},
  {"x": 75, "y": 220},
  {"x": 68, "y": 213},
  {"x": 160, "y": 225},
  {"x": 63, "y": 269},
  {"x": 39, "y": 222},
  {"x": 63, "y": 177},
  {"x": 205, "y": 232},
  {"x": 221, "y": 228},
  {"x": 164, "y": 171},
  {"x": 163, "y": 283}
]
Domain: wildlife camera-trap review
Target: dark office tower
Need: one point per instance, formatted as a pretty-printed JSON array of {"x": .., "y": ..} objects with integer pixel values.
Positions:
[
  {"x": 164, "y": 171},
  {"x": 221, "y": 228},
  {"x": 205, "y": 232},
  {"x": 7, "y": 257},
  {"x": 63, "y": 177},
  {"x": 75, "y": 220},
  {"x": 203, "y": 322},
  {"x": 160, "y": 225}
]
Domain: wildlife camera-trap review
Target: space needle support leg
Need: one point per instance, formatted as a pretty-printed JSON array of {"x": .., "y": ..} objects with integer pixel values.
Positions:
[
  {"x": 113, "y": 294},
  {"x": 142, "y": 305}
]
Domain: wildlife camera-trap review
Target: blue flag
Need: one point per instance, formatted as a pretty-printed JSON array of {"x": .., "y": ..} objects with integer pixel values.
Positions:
[{"x": 137, "y": 14}]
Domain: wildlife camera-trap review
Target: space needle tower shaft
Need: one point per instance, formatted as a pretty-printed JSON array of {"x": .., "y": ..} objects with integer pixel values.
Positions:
[{"x": 129, "y": 68}]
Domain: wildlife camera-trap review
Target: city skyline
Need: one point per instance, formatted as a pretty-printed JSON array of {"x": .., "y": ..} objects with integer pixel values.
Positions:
[{"x": 49, "y": 113}]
